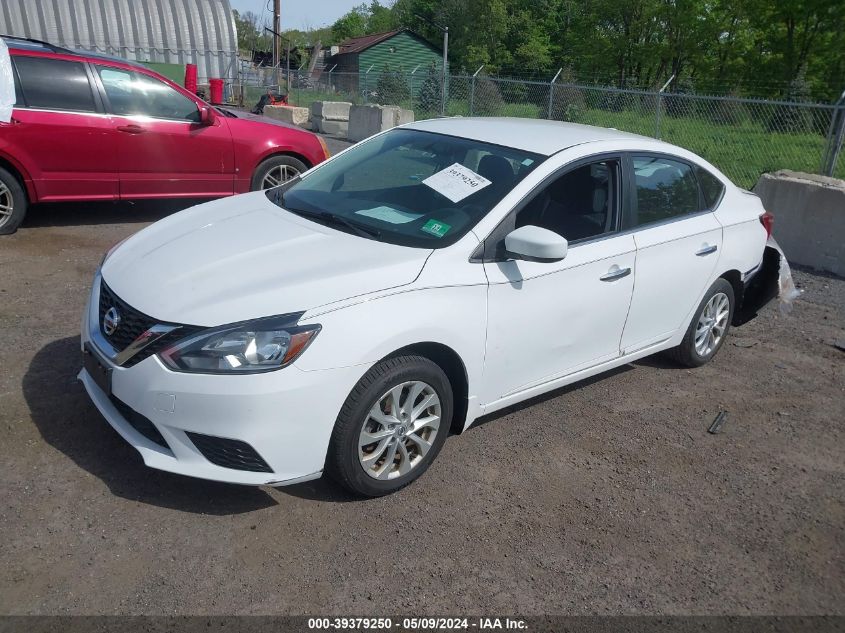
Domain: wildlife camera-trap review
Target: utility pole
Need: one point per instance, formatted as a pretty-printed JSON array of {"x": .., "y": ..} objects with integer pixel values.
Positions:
[
  {"x": 277, "y": 20},
  {"x": 443, "y": 97}
]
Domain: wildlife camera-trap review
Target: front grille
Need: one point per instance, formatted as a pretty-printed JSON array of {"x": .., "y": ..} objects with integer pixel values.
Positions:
[
  {"x": 228, "y": 453},
  {"x": 139, "y": 422},
  {"x": 132, "y": 324}
]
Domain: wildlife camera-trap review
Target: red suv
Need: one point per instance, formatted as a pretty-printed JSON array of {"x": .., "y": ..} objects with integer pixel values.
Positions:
[{"x": 86, "y": 127}]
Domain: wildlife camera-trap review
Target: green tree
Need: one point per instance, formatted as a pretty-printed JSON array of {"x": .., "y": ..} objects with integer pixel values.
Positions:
[
  {"x": 364, "y": 20},
  {"x": 352, "y": 24},
  {"x": 250, "y": 31},
  {"x": 429, "y": 95},
  {"x": 392, "y": 87},
  {"x": 741, "y": 47}
]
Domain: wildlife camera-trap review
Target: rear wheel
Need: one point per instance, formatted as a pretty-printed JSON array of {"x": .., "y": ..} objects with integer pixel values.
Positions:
[
  {"x": 12, "y": 203},
  {"x": 391, "y": 426},
  {"x": 275, "y": 171},
  {"x": 709, "y": 327}
]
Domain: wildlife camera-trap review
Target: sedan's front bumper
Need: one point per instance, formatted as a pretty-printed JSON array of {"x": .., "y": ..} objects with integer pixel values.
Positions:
[{"x": 285, "y": 416}]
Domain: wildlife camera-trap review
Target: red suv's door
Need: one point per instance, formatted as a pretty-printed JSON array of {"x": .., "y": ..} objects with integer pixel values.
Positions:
[
  {"x": 59, "y": 132},
  {"x": 163, "y": 149}
]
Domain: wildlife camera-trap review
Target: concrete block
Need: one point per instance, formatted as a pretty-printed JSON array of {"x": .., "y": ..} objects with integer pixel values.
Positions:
[
  {"x": 366, "y": 120},
  {"x": 331, "y": 110},
  {"x": 809, "y": 215},
  {"x": 289, "y": 114},
  {"x": 333, "y": 128}
]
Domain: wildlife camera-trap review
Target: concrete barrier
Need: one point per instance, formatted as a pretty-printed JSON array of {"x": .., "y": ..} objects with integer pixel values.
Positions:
[
  {"x": 809, "y": 215},
  {"x": 289, "y": 114},
  {"x": 330, "y": 117},
  {"x": 366, "y": 120}
]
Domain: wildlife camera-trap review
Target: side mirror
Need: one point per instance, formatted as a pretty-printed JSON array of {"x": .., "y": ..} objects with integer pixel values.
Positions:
[
  {"x": 535, "y": 244},
  {"x": 207, "y": 115}
]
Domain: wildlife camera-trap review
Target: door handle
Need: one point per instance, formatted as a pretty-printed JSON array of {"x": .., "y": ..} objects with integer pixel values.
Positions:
[
  {"x": 613, "y": 275},
  {"x": 130, "y": 129},
  {"x": 706, "y": 250}
]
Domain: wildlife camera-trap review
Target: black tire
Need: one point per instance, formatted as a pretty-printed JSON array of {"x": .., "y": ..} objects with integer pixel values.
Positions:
[
  {"x": 343, "y": 463},
  {"x": 686, "y": 353},
  {"x": 274, "y": 162},
  {"x": 11, "y": 190}
]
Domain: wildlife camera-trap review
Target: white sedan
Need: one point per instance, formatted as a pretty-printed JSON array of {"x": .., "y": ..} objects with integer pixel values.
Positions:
[{"x": 351, "y": 319}]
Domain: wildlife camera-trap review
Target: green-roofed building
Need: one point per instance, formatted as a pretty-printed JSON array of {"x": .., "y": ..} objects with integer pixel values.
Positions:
[{"x": 360, "y": 60}]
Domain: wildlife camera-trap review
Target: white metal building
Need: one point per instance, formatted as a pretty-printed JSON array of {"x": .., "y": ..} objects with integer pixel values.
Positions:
[{"x": 170, "y": 31}]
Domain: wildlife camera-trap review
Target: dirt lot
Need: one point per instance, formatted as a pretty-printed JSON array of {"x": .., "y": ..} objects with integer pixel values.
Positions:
[{"x": 609, "y": 497}]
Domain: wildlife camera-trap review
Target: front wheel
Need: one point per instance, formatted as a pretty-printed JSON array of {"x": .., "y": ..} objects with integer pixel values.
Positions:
[
  {"x": 391, "y": 426},
  {"x": 275, "y": 171},
  {"x": 709, "y": 327}
]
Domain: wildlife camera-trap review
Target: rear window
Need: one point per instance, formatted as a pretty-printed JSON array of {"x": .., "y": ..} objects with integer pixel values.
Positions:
[
  {"x": 54, "y": 84},
  {"x": 711, "y": 187}
]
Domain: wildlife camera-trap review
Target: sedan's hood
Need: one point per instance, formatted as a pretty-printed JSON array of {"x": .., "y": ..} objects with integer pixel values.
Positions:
[{"x": 243, "y": 257}]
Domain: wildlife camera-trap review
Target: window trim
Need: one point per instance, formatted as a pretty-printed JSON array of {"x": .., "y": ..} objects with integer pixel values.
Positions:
[
  {"x": 721, "y": 197},
  {"x": 488, "y": 250},
  {"x": 16, "y": 80},
  {"x": 95, "y": 97},
  {"x": 629, "y": 224},
  {"x": 101, "y": 87}
]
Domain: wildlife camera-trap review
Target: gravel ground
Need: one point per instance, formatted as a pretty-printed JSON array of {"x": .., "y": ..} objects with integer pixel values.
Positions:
[{"x": 606, "y": 497}]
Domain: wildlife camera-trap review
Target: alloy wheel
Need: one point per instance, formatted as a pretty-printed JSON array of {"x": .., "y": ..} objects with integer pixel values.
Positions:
[
  {"x": 399, "y": 430},
  {"x": 712, "y": 324},
  {"x": 279, "y": 175},
  {"x": 7, "y": 204}
]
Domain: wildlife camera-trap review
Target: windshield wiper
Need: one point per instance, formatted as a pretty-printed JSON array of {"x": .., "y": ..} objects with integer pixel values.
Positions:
[{"x": 325, "y": 217}]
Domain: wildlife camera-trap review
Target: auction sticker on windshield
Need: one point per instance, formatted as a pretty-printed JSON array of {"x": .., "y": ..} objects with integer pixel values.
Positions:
[{"x": 456, "y": 182}]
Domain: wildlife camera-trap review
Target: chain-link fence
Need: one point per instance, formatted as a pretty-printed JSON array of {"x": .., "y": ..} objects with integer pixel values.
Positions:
[{"x": 743, "y": 137}]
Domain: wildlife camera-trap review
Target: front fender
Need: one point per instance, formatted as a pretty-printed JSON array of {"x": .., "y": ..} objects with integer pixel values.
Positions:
[{"x": 365, "y": 332}]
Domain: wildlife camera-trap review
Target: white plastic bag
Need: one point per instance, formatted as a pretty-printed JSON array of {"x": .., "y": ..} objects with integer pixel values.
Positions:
[
  {"x": 787, "y": 292},
  {"x": 7, "y": 84}
]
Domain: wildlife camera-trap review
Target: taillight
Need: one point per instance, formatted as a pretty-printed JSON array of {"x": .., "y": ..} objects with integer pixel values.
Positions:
[{"x": 768, "y": 222}]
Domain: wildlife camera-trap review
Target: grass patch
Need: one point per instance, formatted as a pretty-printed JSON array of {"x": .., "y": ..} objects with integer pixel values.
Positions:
[{"x": 743, "y": 150}]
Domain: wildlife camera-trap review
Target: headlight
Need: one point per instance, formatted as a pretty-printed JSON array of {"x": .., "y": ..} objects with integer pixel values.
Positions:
[{"x": 242, "y": 348}]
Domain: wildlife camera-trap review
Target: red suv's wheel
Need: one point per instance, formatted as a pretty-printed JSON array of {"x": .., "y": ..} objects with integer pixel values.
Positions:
[
  {"x": 276, "y": 170},
  {"x": 12, "y": 203}
]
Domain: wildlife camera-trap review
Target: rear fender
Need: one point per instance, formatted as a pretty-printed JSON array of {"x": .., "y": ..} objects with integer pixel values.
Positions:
[{"x": 761, "y": 288}]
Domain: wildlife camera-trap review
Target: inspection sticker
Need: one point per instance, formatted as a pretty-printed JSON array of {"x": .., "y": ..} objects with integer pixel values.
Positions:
[
  {"x": 456, "y": 182},
  {"x": 436, "y": 228}
]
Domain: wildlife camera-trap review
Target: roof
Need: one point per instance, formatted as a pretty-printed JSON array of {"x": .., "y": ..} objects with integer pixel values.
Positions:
[
  {"x": 531, "y": 135},
  {"x": 27, "y": 44},
  {"x": 175, "y": 32},
  {"x": 359, "y": 44}
]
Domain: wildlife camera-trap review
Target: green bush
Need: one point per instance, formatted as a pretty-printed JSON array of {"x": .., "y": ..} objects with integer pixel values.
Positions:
[
  {"x": 568, "y": 104},
  {"x": 487, "y": 99},
  {"x": 392, "y": 88},
  {"x": 429, "y": 96}
]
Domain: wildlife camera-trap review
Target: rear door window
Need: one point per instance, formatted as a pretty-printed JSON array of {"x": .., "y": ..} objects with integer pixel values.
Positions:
[
  {"x": 665, "y": 189},
  {"x": 54, "y": 84}
]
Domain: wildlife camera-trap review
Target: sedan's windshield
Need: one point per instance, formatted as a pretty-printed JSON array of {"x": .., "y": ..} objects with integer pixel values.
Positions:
[{"x": 408, "y": 187}]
